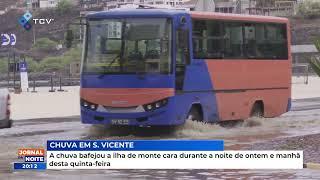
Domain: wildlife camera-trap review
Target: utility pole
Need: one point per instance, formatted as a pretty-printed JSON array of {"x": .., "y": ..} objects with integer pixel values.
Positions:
[
  {"x": 29, "y": 9},
  {"x": 34, "y": 35},
  {"x": 249, "y": 6},
  {"x": 8, "y": 73},
  {"x": 14, "y": 70}
]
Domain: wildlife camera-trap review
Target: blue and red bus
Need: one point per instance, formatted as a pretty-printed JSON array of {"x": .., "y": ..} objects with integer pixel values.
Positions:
[{"x": 153, "y": 67}]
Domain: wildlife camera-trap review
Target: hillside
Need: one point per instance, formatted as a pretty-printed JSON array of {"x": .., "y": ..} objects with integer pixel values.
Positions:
[
  {"x": 7, "y": 3},
  {"x": 304, "y": 30},
  {"x": 54, "y": 31}
]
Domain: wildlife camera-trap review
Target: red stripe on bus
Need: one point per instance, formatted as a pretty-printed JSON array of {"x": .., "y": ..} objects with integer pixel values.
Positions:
[
  {"x": 242, "y": 82},
  {"x": 125, "y": 97},
  {"x": 232, "y": 106},
  {"x": 249, "y": 74}
]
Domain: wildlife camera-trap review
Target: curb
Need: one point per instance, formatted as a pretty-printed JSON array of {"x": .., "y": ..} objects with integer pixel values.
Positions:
[{"x": 311, "y": 165}]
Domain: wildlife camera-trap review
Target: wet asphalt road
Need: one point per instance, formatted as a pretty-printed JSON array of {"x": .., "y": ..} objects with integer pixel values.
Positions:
[{"x": 304, "y": 119}]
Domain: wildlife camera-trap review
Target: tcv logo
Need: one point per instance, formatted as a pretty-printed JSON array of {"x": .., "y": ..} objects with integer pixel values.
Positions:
[{"x": 26, "y": 19}]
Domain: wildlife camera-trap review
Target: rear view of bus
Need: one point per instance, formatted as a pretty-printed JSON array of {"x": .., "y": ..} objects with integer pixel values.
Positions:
[{"x": 151, "y": 67}]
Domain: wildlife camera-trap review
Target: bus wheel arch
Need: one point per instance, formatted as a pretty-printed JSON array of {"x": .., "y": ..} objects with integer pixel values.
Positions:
[
  {"x": 257, "y": 109},
  {"x": 196, "y": 112}
]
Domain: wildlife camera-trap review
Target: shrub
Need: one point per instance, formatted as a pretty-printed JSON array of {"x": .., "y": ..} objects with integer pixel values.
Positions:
[
  {"x": 73, "y": 55},
  {"x": 3, "y": 65},
  {"x": 315, "y": 61},
  {"x": 33, "y": 66},
  {"x": 51, "y": 64},
  {"x": 45, "y": 44},
  {"x": 60, "y": 63}
]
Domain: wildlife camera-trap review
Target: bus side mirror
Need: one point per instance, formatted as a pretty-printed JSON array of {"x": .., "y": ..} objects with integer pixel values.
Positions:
[{"x": 183, "y": 21}]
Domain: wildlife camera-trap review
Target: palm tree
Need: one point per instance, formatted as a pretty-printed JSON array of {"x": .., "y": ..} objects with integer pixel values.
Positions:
[{"x": 315, "y": 61}]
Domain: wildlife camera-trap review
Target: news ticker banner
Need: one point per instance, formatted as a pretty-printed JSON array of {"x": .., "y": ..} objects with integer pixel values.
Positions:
[{"x": 152, "y": 154}]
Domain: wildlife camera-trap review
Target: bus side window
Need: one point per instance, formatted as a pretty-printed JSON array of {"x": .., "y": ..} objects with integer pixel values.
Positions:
[
  {"x": 250, "y": 47},
  {"x": 183, "y": 52},
  {"x": 182, "y": 56}
]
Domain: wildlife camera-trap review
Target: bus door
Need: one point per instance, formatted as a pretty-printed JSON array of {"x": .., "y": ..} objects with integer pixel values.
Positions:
[{"x": 182, "y": 56}]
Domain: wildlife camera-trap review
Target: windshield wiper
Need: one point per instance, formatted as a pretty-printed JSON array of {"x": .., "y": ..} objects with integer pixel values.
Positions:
[
  {"x": 107, "y": 68},
  {"x": 114, "y": 60}
]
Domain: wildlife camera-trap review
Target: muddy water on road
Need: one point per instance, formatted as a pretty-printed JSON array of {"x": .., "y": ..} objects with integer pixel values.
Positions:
[
  {"x": 35, "y": 133},
  {"x": 253, "y": 130},
  {"x": 306, "y": 174}
]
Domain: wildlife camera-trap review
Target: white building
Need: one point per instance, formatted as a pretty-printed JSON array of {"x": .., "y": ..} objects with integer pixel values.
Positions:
[
  {"x": 6, "y": 5},
  {"x": 173, "y": 3},
  {"x": 48, "y": 3},
  {"x": 31, "y": 4},
  {"x": 111, "y": 4},
  {"x": 224, "y": 6},
  {"x": 53, "y": 3}
]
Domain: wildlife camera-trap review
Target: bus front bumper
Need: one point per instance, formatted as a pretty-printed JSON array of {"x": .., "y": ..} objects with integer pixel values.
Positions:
[{"x": 159, "y": 117}]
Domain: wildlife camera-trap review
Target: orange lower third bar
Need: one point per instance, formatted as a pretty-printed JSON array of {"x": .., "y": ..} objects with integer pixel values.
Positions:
[{"x": 31, "y": 152}]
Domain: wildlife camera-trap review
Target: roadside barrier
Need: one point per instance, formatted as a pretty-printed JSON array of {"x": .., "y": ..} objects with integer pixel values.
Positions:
[
  {"x": 51, "y": 84},
  {"x": 60, "y": 85},
  {"x": 301, "y": 70},
  {"x": 34, "y": 87}
]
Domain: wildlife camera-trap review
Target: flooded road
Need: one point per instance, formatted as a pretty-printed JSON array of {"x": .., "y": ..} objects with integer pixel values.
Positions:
[{"x": 304, "y": 119}]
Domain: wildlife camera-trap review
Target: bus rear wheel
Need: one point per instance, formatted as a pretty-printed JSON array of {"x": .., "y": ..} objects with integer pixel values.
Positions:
[
  {"x": 257, "y": 110},
  {"x": 195, "y": 114}
]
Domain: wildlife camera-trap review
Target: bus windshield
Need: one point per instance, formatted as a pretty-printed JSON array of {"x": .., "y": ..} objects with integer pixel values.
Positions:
[{"x": 128, "y": 46}]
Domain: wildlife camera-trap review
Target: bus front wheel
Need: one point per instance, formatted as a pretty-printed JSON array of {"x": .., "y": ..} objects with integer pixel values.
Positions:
[{"x": 195, "y": 114}]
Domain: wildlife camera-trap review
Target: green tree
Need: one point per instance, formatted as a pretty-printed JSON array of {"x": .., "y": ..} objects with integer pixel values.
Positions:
[
  {"x": 33, "y": 66},
  {"x": 315, "y": 61},
  {"x": 309, "y": 9},
  {"x": 69, "y": 38},
  {"x": 3, "y": 65},
  {"x": 63, "y": 6}
]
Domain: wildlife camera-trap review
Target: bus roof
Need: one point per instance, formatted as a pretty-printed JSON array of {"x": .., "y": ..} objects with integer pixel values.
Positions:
[
  {"x": 120, "y": 13},
  {"x": 153, "y": 12},
  {"x": 236, "y": 17}
]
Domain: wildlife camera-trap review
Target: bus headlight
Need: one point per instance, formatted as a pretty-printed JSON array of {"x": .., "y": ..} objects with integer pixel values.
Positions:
[
  {"x": 88, "y": 105},
  {"x": 149, "y": 107},
  {"x": 93, "y": 106},
  {"x": 155, "y": 105}
]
